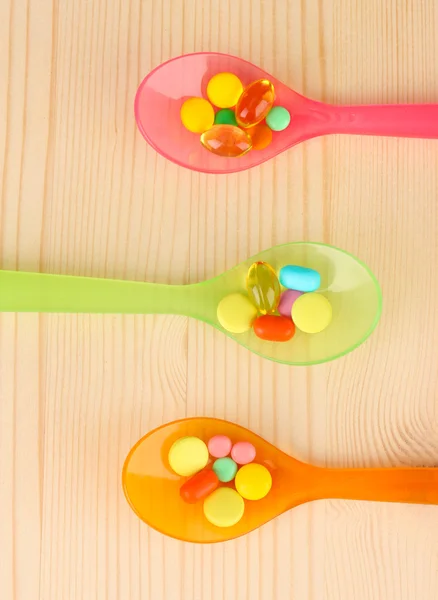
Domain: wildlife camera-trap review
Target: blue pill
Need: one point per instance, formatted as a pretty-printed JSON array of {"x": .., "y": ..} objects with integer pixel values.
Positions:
[{"x": 301, "y": 279}]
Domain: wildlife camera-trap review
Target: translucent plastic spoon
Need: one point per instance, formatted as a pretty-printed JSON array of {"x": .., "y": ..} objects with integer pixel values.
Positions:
[
  {"x": 162, "y": 92},
  {"x": 152, "y": 489},
  {"x": 348, "y": 284}
]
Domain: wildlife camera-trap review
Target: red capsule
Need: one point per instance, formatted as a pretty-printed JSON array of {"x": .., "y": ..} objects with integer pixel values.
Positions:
[
  {"x": 199, "y": 486},
  {"x": 274, "y": 328}
]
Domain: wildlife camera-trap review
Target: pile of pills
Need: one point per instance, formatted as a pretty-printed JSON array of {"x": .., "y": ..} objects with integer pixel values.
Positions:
[
  {"x": 272, "y": 313},
  {"x": 219, "y": 462},
  {"x": 245, "y": 117}
]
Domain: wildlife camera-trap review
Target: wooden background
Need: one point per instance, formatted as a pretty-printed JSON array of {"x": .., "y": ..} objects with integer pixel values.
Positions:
[{"x": 81, "y": 193}]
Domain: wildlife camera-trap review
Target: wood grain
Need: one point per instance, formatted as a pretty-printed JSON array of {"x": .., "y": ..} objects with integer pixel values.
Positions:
[{"x": 81, "y": 193}]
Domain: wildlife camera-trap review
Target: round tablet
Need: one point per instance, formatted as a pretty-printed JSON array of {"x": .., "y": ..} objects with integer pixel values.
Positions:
[
  {"x": 224, "y": 90},
  {"x": 236, "y": 313},
  {"x": 312, "y": 313},
  {"x": 243, "y": 453},
  {"x": 225, "y": 469},
  {"x": 225, "y": 116},
  {"x": 187, "y": 456},
  {"x": 219, "y": 446},
  {"x": 278, "y": 118},
  {"x": 261, "y": 136},
  {"x": 197, "y": 115},
  {"x": 253, "y": 482},
  {"x": 224, "y": 507}
]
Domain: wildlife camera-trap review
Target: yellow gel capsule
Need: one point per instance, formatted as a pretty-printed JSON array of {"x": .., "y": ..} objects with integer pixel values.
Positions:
[
  {"x": 253, "y": 481},
  {"x": 224, "y": 507},
  {"x": 224, "y": 90},
  {"x": 312, "y": 312},
  {"x": 188, "y": 455},
  {"x": 197, "y": 115},
  {"x": 263, "y": 287},
  {"x": 226, "y": 140},
  {"x": 236, "y": 313},
  {"x": 255, "y": 103}
]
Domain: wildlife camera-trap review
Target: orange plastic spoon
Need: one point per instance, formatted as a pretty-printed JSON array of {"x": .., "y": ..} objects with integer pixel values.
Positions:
[{"x": 152, "y": 489}]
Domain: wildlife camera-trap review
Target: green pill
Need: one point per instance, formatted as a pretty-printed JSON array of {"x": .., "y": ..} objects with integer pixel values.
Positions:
[
  {"x": 225, "y": 469},
  {"x": 225, "y": 116},
  {"x": 278, "y": 118}
]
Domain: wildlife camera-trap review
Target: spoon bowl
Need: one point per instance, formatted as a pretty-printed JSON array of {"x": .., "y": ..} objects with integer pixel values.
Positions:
[
  {"x": 163, "y": 91},
  {"x": 152, "y": 488},
  {"x": 349, "y": 285}
]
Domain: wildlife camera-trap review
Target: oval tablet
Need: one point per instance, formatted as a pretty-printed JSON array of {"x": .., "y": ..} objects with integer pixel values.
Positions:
[
  {"x": 287, "y": 300},
  {"x": 187, "y": 456},
  {"x": 312, "y": 313},
  {"x": 274, "y": 328},
  {"x": 298, "y": 278},
  {"x": 236, "y": 313}
]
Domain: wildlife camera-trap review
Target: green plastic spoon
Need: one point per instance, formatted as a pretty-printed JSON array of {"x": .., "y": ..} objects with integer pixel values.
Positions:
[{"x": 351, "y": 288}]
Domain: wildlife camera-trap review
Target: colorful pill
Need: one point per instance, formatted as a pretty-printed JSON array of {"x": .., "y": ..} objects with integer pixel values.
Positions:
[
  {"x": 219, "y": 446},
  {"x": 274, "y": 328},
  {"x": 187, "y": 456},
  {"x": 243, "y": 453},
  {"x": 278, "y": 118},
  {"x": 199, "y": 486},
  {"x": 224, "y": 90},
  {"x": 197, "y": 115},
  {"x": 255, "y": 103},
  {"x": 287, "y": 300},
  {"x": 227, "y": 141},
  {"x": 263, "y": 287},
  {"x": 236, "y": 313},
  {"x": 224, "y": 507},
  {"x": 300, "y": 279},
  {"x": 312, "y": 313},
  {"x": 261, "y": 136},
  {"x": 225, "y": 469},
  {"x": 253, "y": 482},
  {"x": 226, "y": 116}
]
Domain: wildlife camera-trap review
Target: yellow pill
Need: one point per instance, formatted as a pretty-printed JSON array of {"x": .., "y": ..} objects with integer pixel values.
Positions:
[
  {"x": 197, "y": 115},
  {"x": 224, "y": 90},
  {"x": 236, "y": 313},
  {"x": 253, "y": 481},
  {"x": 224, "y": 507},
  {"x": 187, "y": 456},
  {"x": 312, "y": 313}
]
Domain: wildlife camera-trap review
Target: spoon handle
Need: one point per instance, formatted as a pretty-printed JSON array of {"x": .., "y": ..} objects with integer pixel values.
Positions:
[
  {"x": 411, "y": 485},
  {"x": 395, "y": 120},
  {"x": 37, "y": 292}
]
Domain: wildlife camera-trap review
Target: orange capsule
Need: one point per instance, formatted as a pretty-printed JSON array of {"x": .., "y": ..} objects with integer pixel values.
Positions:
[
  {"x": 226, "y": 140},
  {"x": 199, "y": 486},
  {"x": 261, "y": 136},
  {"x": 273, "y": 328},
  {"x": 255, "y": 103}
]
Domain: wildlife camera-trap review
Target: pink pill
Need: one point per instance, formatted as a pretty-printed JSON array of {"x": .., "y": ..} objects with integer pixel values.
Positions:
[
  {"x": 287, "y": 299},
  {"x": 243, "y": 453},
  {"x": 219, "y": 446}
]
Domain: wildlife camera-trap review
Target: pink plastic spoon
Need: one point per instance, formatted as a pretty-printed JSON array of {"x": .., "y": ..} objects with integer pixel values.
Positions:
[{"x": 162, "y": 92}]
